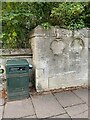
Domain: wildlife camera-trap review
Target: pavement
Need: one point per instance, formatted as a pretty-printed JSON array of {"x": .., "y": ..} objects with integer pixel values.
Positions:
[{"x": 67, "y": 104}]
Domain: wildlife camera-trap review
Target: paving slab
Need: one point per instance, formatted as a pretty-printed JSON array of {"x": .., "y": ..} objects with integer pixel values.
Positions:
[
  {"x": 67, "y": 98},
  {"x": 78, "y": 111},
  {"x": 89, "y": 113},
  {"x": 62, "y": 116},
  {"x": 17, "y": 109},
  {"x": 30, "y": 116},
  {"x": 89, "y": 97},
  {"x": 1, "y": 112},
  {"x": 46, "y": 106},
  {"x": 83, "y": 94}
]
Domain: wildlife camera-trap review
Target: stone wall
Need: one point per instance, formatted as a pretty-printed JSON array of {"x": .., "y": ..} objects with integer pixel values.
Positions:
[
  {"x": 60, "y": 59},
  {"x": 6, "y": 54}
]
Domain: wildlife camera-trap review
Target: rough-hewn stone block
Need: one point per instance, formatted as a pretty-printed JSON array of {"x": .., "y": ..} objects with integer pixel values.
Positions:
[{"x": 60, "y": 59}]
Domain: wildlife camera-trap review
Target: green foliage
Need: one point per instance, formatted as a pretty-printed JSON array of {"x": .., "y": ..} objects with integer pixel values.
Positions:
[
  {"x": 46, "y": 25},
  {"x": 15, "y": 24},
  {"x": 19, "y": 18},
  {"x": 87, "y": 15},
  {"x": 69, "y": 15}
]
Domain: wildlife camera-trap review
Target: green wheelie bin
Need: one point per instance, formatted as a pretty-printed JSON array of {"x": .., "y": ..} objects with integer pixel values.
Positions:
[{"x": 17, "y": 79}]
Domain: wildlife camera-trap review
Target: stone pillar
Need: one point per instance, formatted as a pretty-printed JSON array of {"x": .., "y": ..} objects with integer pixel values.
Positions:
[{"x": 59, "y": 59}]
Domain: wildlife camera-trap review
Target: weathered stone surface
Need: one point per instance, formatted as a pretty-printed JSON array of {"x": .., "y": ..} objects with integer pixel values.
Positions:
[
  {"x": 89, "y": 98},
  {"x": 1, "y": 112},
  {"x": 41, "y": 85},
  {"x": 57, "y": 46},
  {"x": 46, "y": 106},
  {"x": 89, "y": 112},
  {"x": 56, "y": 81},
  {"x": 40, "y": 73},
  {"x": 17, "y": 109},
  {"x": 15, "y": 51},
  {"x": 83, "y": 94},
  {"x": 62, "y": 116},
  {"x": 79, "y": 111},
  {"x": 68, "y": 99},
  {"x": 34, "y": 116},
  {"x": 1, "y": 101},
  {"x": 39, "y": 32},
  {"x": 63, "y": 33},
  {"x": 83, "y": 32},
  {"x": 60, "y": 60}
]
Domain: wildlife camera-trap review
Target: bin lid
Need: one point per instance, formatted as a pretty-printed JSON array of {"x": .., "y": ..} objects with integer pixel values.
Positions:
[{"x": 16, "y": 62}]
